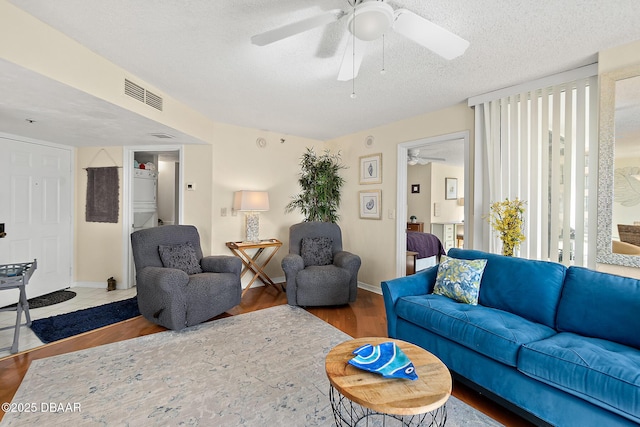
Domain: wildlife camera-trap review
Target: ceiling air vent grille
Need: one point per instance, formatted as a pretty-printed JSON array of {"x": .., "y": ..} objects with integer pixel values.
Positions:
[
  {"x": 133, "y": 90},
  {"x": 141, "y": 94},
  {"x": 153, "y": 100}
]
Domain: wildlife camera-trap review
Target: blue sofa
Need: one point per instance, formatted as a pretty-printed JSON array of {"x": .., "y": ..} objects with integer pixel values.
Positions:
[{"x": 560, "y": 345}]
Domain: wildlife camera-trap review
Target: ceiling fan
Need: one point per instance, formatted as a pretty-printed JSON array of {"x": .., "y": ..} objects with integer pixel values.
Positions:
[
  {"x": 368, "y": 20},
  {"x": 414, "y": 158}
]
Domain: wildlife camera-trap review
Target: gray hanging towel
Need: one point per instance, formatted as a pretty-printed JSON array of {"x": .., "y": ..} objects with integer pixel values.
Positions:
[{"x": 103, "y": 186}]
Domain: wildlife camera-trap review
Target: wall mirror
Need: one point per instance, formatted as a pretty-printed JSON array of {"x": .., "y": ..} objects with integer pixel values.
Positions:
[{"x": 619, "y": 168}]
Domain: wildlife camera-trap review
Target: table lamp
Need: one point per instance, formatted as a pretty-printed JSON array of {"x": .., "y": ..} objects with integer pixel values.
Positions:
[{"x": 251, "y": 202}]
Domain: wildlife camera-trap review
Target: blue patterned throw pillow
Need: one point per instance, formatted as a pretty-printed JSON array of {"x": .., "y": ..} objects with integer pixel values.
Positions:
[
  {"x": 316, "y": 251},
  {"x": 459, "y": 279},
  {"x": 182, "y": 257}
]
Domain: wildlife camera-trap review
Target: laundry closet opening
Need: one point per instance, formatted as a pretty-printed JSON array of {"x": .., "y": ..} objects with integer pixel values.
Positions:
[{"x": 153, "y": 193}]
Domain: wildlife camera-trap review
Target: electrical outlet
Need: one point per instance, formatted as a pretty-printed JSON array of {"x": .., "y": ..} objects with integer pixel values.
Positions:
[
  {"x": 392, "y": 214},
  {"x": 223, "y": 212}
]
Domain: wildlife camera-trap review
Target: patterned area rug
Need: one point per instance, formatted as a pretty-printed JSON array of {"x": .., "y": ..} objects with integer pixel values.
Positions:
[{"x": 264, "y": 368}]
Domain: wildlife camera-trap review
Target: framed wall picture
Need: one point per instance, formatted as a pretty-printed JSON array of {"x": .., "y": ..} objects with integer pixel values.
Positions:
[
  {"x": 450, "y": 188},
  {"x": 371, "y": 169},
  {"x": 371, "y": 204}
]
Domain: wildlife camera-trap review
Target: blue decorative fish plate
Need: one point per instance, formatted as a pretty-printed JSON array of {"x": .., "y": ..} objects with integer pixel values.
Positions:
[{"x": 386, "y": 359}]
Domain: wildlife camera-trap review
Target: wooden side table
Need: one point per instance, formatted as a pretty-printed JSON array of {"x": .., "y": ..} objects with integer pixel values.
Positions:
[
  {"x": 415, "y": 226},
  {"x": 255, "y": 263},
  {"x": 358, "y": 395}
]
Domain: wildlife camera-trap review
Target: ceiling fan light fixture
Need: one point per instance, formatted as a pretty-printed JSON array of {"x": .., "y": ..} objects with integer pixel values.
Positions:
[{"x": 370, "y": 20}]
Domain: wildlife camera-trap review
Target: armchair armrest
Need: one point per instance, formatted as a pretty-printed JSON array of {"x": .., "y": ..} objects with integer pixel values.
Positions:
[
  {"x": 292, "y": 264},
  {"x": 344, "y": 259},
  {"x": 154, "y": 279},
  {"x": 420, "y": 283},
  {"x": 351, "y": 263},
  {"x": 221, "y": 264},
  {"x": 162, "y": 297}
]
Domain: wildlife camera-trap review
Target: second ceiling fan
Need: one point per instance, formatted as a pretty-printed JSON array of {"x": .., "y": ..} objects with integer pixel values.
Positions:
[
  {"x": 414, "y": 158},
  {"x": 368, "y": 20}
]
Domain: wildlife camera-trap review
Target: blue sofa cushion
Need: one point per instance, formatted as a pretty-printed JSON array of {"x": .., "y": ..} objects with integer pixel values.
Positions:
[
  {"x": 528, "y": 288},
  {"x": 600, "y": 305},
  {"x": 602, "y": 372},
  {"x": 494, "y": 333}
]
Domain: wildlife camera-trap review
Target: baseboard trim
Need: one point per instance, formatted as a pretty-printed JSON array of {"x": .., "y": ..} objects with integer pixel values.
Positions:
[
  {"x": 370, "y": 288},
  {"x": 283, "y": 280},
  {"x": 96, "y": 285}
]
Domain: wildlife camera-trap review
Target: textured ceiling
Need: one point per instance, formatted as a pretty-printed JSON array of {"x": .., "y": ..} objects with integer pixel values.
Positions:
[{"x": 199, "y": 52}]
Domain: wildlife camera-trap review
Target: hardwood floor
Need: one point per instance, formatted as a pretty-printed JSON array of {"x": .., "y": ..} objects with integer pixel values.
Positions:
[{"x": 365, "y": 317}]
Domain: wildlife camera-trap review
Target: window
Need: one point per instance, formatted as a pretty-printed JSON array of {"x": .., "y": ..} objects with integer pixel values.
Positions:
[{"x": 539, "y": 145}]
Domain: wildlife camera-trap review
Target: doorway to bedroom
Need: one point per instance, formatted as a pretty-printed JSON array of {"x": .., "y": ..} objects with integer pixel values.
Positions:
[{"x": 433, "y": 174}]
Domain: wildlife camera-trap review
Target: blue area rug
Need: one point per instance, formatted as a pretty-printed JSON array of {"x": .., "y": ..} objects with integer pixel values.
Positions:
[{"x": 67, "y": 325}]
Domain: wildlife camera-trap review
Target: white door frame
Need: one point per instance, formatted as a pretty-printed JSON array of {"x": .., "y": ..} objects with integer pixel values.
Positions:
[
  {"x": 128, "y": 270},
  {"x": 401, "y": 191}
]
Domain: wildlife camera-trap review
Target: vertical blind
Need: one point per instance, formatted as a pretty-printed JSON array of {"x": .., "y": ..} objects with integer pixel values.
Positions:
[{"x": 541, "y": 146}]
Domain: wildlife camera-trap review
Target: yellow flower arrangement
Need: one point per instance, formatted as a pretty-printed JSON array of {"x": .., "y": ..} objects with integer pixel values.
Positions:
[{"x": 507, "y": 218}]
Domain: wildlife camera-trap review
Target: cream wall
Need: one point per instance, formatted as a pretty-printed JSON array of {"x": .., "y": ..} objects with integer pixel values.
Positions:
[
  {"x": 419, "y": 204},
  {"x": 609, "y": 60},
  {"x": 375, "y": 240},
  {"x": 98, "y": 245},
  {"x": 450, "y": 210},
  {"x": 239, "y": 164},
  {"x": 431, "y": 178}
]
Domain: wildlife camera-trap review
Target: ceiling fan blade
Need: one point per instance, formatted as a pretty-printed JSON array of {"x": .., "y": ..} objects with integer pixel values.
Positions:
[
  {"x": 294, "y": 28},
  {"x": 350, "y": 62},
  {"x": 426, "y": 33}
]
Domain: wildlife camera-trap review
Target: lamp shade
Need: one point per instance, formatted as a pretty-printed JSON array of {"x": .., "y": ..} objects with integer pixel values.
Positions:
[{"x": 251, "y": 201}]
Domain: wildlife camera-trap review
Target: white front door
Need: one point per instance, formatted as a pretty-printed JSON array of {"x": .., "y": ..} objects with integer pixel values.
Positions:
[{"x": 35, "y": 208}]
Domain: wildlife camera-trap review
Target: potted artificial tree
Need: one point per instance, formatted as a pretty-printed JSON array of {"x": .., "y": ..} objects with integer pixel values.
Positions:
[{"x": 321, "y": 185}]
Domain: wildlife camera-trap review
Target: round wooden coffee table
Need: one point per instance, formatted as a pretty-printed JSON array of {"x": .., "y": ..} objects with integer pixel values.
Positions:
[{"x": 357, "y": 395}]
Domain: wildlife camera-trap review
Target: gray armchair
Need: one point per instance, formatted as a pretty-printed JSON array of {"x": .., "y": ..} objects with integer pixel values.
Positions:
[
  {"x": 317, "y": 270},
  {"x": 178, "y": 287}
]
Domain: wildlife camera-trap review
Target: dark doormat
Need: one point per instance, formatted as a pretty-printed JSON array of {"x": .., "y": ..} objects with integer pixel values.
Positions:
[
  {"x": 49, "y": 299},
  {"x": 66, "y": 325}
]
